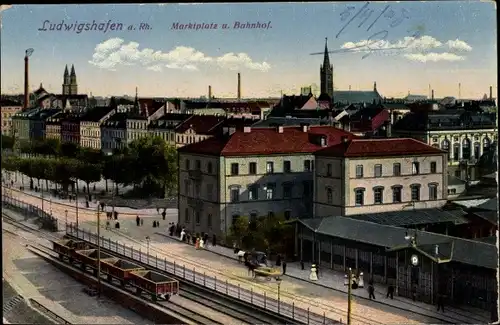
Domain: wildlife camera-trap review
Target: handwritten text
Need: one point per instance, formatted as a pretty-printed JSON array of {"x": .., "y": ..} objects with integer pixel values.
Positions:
[{"x": 366, "y": 17}]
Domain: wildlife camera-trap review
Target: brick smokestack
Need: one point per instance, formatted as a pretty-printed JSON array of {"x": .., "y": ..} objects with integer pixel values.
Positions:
[
  {"x": 491, "y": 92},
  {"x": 209, "y": 92},
  {"x": 432, "y": 94},
  {"x": 239, "y": 86},
  {"x": 26, "y": 82}
]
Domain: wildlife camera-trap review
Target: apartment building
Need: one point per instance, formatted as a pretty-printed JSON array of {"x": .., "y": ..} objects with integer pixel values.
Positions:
[
  {"x": 114, "y": 132},
  {"x": 53, "y": 126},
  {"x": 196, "y": 128},
  {"x": 145, "y": 111},
  {"x": 251, "y": 172},
  {"x": 363, "y": 175},
  {"x": 90, "y": 126},
  {"x": 164, "y": 127},
  {"x": 9, "y": 108}
]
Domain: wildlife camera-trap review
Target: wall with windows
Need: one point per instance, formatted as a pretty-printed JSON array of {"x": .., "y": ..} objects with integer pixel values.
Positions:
[
  {"x": 243, "y": 186},
  {"x": 362, "y": 185},
  {"x": 198, "y": 194}
]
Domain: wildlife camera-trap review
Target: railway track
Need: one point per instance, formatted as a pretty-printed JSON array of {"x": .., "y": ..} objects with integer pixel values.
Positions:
[
  {"x": 189, "y": 296},
  {"x": 184, "y": 313}
]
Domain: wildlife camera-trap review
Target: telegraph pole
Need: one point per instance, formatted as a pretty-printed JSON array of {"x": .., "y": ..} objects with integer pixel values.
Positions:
[
  {"x": 98, "y": 250},
  {"x": 349, "y": 287}
]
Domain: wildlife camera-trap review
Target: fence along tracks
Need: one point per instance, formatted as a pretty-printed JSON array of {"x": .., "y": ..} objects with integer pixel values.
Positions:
[{"x": 189, "y": 296}]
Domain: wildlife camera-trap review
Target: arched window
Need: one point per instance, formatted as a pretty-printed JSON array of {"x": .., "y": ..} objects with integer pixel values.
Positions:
[
  {"x": 445, "y": 144},
  {"x": 486, "y": 144},
  {"x": 466, "y": 148}
]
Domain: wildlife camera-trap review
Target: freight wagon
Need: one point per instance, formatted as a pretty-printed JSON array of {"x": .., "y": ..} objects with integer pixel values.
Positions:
[
  {"x": 119, "y": 269},
  {"x": 66, "y": 248},
  {"x": 88, "y": 257},
  {"x": 159, "y": 286}
]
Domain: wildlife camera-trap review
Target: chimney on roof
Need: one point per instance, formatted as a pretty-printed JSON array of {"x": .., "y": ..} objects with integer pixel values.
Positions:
[
  {"x": 209, "y": 92},
  {"x": 349, "y": 87},
  {"x": 247, "y": 129},
  {"x": 322, "y": 141},
  {"x": 305, "y": 127},
  {"x": 432, "y": 94},
  {"x": 491, "y": 93},
  {"x": 459, "y": 90},
  {"x": 280, "y": 129},
  {"x": 239, "y": 86},
  {"x": 375, "y": 86}
]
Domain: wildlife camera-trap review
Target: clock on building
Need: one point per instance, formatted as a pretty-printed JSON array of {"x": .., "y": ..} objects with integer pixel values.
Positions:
[{"x": 414, "y": 260}]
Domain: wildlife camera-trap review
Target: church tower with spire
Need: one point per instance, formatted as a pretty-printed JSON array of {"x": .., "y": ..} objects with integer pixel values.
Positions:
[
  {"x": 70, "y": 86},
  {"x": 326, "y": 74}
]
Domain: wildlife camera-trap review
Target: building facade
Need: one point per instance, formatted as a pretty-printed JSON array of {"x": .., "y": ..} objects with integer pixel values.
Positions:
[
  {"x": 53, "y": 126},
  {"x": 90, "y": 126},
  {"x": 70, "y": 128},
  {"x": 9, "y": 108},
  {"x": 465, "y": 135},
  {"x": 114, "y": 133},
  {"x": 361, "y": 175},
  {"x": 252, "y": 172}
]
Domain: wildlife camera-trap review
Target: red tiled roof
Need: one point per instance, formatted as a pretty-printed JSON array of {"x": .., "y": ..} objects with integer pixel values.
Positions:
[
  {"x": 267, "y": 141},
  {"x": 201, "y": 124},
  {"x": 380, "y": 148}
]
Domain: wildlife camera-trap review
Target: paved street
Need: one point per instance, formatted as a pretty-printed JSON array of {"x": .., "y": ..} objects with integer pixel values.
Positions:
[{"x": 317, "y": 298}]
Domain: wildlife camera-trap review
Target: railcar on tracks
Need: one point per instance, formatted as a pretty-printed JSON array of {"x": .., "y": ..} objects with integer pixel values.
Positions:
[
  {"x": 159, "y": 286},
  {"x": 88, "y": 257},
  {"x": 118, "y": 269},
  {"x": 66, "y": 248}
]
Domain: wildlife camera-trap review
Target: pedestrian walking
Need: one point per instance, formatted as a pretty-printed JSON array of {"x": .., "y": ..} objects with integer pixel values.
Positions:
[
  {"x": 278, "y": 260},
  {"x": 138, "y": 221},
  {"x": 284, "y": 267},
  {"x": 205, "y": 239},
  {"x": 414, "y": 293},
  {"x": 163, "y": 214},
  {"x": 214, "y": 240},
  {"x": 302, "y": 265},
  {"x": 390, "y": 292},
  {"x": 440, "y": 302},
  {"x": 142, "y": 222},
  {"x": 371, "y": 290},
  {"x": 317, "y": 269}
]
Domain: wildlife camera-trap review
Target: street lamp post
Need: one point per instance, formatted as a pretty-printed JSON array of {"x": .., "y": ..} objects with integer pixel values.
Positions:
[
  {"x": 147, "y": 241},
  {"x": 76, "y": 202},
  {"x": 66, "y": 213},
  {"x": 98, "y": 250},
  {"x": 279, "y": 294},
  {"x": 349, "y": 293}
]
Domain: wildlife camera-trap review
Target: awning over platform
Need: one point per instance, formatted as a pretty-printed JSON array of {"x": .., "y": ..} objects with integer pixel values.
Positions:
[{"x": 390, "y": 237}]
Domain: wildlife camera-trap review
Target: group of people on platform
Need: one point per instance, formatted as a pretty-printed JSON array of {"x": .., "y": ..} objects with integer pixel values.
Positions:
[{"x": 199, "y": 240}]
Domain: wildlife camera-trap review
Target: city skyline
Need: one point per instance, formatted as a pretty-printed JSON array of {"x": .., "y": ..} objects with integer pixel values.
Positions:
[{"x": 440, "y": 44}]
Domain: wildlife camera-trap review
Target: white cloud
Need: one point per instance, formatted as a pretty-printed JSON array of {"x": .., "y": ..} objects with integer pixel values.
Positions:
[
  {"x": 115, "y": 52},
  {"x": 434, "y": 57},
  {"x": 412, "y": 48},
  {"x": 459, "y": 45}
]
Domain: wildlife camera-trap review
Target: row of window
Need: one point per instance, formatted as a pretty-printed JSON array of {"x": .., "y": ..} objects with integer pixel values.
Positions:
[
  {"x": 397, "y": 194},
  {"x": 287, "y": 167},
  {"x": 396, "y": 169},
  {"x": 252, "y": 190},
  {"x": 252, "y": 218}
]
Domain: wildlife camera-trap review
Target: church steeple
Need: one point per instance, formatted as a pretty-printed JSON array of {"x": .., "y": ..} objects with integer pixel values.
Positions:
[
  {"x": 136, "y": 103},
  {"x": 326, "y": 74},
  {"x": 66, "y": 73},
  {"x": 73, "y": 74},
  {"x": 326, "y": 57}
]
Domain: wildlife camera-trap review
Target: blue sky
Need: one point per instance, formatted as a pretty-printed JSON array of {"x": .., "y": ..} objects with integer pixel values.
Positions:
[{"x": 457, "y": 44}]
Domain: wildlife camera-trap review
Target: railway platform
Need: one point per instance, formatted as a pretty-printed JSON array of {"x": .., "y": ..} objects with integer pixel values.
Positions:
[{"x": 326, "y": 295}]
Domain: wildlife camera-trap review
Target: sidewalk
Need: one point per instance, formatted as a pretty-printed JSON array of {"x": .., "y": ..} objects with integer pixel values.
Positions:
[{"x": 335, "y": 280}]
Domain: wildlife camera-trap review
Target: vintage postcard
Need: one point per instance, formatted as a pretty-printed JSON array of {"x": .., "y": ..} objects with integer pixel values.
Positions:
[{"x": 277, "y": 163}]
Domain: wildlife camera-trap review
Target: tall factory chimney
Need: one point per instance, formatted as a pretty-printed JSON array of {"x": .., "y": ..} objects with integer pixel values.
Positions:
[
  {"x": 26, "y": 82},
  {"x": 209, "y": 92},
  {"x": 432, "y": 94},
  {"x": 491, "y": 92},
  {"x": 239, "y": 86},
  {"x": 459, "y": 91}
]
